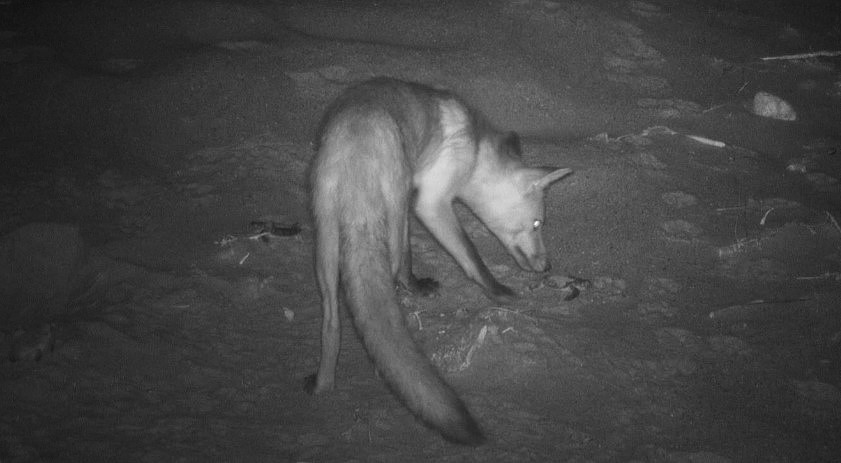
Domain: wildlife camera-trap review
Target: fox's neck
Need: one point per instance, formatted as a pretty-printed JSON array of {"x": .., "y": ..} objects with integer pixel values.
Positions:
[{"x": 490, "y": 178}]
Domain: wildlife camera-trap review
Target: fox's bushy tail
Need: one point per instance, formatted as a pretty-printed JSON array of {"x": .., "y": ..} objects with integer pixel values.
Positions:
[{"x": 371, "y": 295}]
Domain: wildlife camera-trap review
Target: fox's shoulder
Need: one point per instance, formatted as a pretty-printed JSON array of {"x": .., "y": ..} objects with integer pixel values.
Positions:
[
  {"x": 415, "y": 110},
  {"x": 385, "y": 93}
]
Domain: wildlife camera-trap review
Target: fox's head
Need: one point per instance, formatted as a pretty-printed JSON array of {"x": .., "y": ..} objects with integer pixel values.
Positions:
[{"x": 510, "y": 203}]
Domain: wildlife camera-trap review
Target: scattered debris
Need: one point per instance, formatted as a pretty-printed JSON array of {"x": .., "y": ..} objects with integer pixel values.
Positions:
[
  {"x": 457, "y": 354},
  {"x": 263, "y": 231},
  {"x": 289, "y": 314},
  {"x": 571, "y": 286},
  {"x": 739, "y": 247},
  {"x": 274, "y": 228}
]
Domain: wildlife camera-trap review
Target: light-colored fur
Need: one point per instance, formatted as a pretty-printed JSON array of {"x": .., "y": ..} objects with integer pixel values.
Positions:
[{"x": 386, "y": 147}]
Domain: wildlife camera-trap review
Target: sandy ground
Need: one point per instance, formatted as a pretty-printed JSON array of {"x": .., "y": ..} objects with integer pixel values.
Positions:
[{"x": 145, "y": 144}]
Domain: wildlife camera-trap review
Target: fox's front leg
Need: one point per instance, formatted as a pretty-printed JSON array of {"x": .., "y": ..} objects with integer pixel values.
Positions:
[
  {"x": 405, "y": 277},
  {"x": 440, "y": 219}
]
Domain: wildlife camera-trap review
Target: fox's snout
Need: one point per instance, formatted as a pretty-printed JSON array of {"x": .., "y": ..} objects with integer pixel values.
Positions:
[
  {"x": 540, "y": 264},
  {"x": 535, "y": 262}
]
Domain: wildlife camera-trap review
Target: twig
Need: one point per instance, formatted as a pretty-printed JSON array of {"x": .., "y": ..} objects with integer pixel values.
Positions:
[
  {"x": 707, "y": 141},
  {"x": 731, "y": 208},
  {"x": 765, "y": 216},
  {"x": 834, "y": 222},
  {"x": 803, "y": 55},
  {"x": 515, "y": 312},
  {"x": 824, "y": 276},
  {"x": 778, "y": 301},
  {"x": 750, "y": 309},
  {"x": 714, "y": 108},
  {"x": 416, "y": 314},
  {"x": 658, "y": 130},
  {"x": 740, "y": 246}
]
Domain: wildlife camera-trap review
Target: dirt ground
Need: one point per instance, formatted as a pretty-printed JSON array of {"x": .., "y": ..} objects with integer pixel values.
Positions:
[{"x": 148, "y": 146}]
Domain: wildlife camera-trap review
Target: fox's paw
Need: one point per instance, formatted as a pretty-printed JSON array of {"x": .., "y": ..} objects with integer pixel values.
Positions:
[
  {"x": 421, "y": 286},
  {"x": 426, "y": 286},
  {"x": 501, "y": 294},
  {"x": 311, "y": 385}
]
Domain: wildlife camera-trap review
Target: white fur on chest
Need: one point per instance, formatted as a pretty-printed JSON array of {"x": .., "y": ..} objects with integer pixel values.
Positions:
[{"x": 445, "y": 167}]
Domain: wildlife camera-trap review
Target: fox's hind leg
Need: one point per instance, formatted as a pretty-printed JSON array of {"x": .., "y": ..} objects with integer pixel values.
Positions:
[{"x": 327, "y": 274}]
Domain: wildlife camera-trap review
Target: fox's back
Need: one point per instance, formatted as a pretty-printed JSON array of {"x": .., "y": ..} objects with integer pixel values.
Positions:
[
  {"x": 411, "y": 113},
  {"x": 369, "y": 142}
]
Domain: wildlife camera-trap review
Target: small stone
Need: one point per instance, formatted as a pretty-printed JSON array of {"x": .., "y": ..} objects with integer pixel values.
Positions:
[
  {"x": 772, "y": 106},
  {"x": 678, "y": 199}
]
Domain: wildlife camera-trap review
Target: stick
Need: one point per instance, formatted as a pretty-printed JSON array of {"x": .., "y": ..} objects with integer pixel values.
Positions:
[
  {"x": 707, "y": 141},
  {"x": 803, "y": 55},
  {"x": 765, "y": 216},
  {"x": 750, "y": 309},
  {"x": 825, "y": 276},
  {"x": 834, "y": 222}
]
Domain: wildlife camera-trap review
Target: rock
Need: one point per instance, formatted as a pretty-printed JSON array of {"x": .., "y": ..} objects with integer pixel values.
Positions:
[
  {"x": 768, "y": 105},
  {"x": 678, "y": 199},
  {"x": 728, "y": 345},
  {"x": 650, "y": 161},
  {"x": 681, "y": 230}
]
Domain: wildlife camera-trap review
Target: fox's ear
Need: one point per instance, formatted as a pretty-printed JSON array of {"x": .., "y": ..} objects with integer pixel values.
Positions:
[
  {"x": 550, "y": 175},
  {"x": 511, "y": 141}
]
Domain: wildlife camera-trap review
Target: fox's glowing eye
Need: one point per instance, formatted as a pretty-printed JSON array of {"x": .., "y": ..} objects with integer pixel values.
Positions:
[{"x": 537, "y": 223}]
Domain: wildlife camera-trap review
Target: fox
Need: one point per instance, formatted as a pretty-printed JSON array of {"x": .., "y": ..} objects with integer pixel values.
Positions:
[{"x": 386, "y": 147}]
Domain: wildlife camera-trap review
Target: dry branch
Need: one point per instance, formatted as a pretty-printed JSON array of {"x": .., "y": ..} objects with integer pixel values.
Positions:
[{"x": 803, "y": 55}]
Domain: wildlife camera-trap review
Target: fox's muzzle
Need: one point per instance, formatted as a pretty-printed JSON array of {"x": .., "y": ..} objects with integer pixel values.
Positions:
[{"x": 531, "y": 263}]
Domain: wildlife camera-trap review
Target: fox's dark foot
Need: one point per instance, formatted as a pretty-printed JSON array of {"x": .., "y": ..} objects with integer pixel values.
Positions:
[
  {"x": 421, "y": 286},
  {"x": 309, "y": 383},
  {"x": 426, "y": 286},
  {"x": 501, "y": 294}
]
